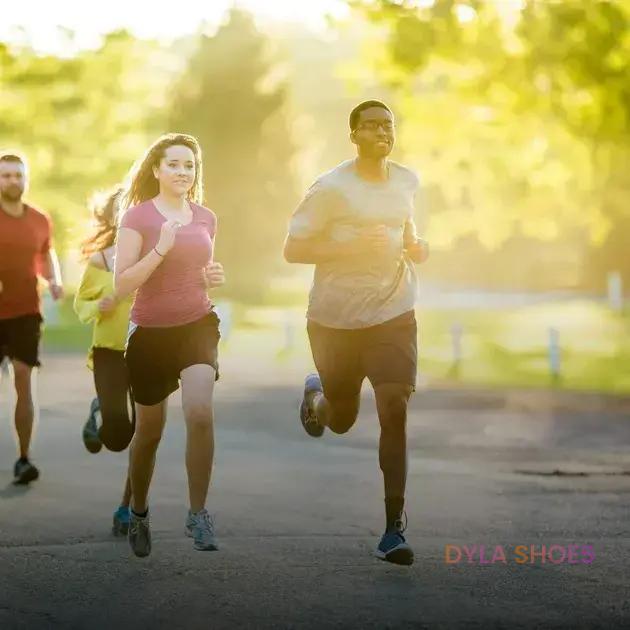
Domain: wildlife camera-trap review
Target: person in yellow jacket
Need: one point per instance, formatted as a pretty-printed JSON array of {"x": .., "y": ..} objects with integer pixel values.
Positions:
[{"x": 95, "y": 302}]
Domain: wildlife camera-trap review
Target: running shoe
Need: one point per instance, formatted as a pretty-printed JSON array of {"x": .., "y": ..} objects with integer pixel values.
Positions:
[
  {"x": 139, "y": 534},
  {"x": 200, "y": 527},
  {"x": 308, "y": 418},
  {"x": 24, "y": 472},
  {"x": 120, "y": 525},
  {"x": 393, "y": 547},
  {"x": 91, "y": 437}
]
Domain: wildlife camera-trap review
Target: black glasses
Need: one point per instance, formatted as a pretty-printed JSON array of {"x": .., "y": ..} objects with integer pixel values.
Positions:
[{"x": 373, "y": 125}]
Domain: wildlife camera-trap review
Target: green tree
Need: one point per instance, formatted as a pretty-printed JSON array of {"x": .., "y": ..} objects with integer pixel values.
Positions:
[
  {"x": 535, "y": 102},
  {"x": 233, "y": 102},
  {"x": 83, "y": 120}
]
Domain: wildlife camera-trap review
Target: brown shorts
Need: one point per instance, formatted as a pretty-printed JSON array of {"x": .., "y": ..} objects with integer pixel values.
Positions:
[
  {"x": 156, "y": 356},
  {"x": 386, "y": 353}
]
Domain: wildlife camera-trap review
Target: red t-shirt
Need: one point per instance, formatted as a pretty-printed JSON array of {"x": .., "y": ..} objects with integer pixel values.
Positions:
[{"x": 23, "y": 243}]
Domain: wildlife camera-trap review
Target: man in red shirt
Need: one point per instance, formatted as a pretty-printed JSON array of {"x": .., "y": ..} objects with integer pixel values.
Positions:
[{"x": 25, "y": 255}]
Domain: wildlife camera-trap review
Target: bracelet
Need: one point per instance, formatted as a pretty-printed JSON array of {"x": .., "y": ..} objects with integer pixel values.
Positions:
[{"x": 158, "y": 253}]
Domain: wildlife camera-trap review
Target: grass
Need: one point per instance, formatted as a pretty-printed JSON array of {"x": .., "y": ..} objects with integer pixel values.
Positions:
[
  {"x": 500, "y": 348},
  {"x": 510, "y": 347}
]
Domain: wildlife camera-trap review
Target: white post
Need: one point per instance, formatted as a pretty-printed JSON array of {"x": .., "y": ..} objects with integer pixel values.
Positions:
[
  {"x": 615, "y": 291},
  {"x": 554, "y": 352},
  {"x": 456, "y": 342}
]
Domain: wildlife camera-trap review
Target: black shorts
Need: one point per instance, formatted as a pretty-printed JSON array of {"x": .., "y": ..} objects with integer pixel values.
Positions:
[
  {"x": 19, "y": 338},
  {"x": 385, "y": 353},
  {"x": 156, "y": 356}
]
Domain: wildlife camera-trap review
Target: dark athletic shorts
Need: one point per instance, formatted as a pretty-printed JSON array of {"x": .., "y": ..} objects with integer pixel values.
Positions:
[
  {"x": 156, "y": 356},
  {"x": 386, "y": 353},
  {"x": 19, "y": 338}
]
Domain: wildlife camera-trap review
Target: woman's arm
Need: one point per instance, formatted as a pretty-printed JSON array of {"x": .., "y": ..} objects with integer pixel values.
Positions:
[{"x": 130, "y": 272}]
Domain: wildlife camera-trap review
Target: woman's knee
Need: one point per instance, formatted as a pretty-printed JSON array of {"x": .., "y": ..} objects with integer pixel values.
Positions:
[
  {"x": 148, "y": 434},
  {"x": 199, "y": 416}
]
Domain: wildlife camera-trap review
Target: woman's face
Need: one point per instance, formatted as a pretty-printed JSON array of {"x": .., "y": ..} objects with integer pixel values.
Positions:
[{"x": 176, "y": 171}]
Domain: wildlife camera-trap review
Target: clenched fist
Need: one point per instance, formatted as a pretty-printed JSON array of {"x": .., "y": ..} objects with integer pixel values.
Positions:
[
  {"x": 215, "y": 276},
  {"x": 167, "y": 236}
]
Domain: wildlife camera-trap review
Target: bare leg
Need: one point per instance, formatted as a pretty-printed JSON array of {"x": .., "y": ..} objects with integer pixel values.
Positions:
[
  {"x": 391, "y": 404},
  {"x": 150, "y": 422},
  {"x": 126, "y": 497},
  {"x": 24, "y": 408},
  {"x": 197, "y": 392},
  {"x": 337, "y": 415}
]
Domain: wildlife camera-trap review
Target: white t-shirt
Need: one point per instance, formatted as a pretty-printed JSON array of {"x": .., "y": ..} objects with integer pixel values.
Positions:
[{"x": 360, "y": 291}]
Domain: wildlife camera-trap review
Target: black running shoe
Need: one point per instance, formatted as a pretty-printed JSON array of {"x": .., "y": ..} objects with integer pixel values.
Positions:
[
  {"x": 139, "y": 535},
  {"x": 91, "y": 437},
  {"x": 24, "y": 472},
  {"x": 308, "y": 418}
]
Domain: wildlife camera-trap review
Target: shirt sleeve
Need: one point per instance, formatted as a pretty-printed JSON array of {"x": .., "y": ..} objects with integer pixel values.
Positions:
[
  {"x": 132, "y": 219},
  {"x": 87, "y": 296},
  {"x": 311, "y": 216}
]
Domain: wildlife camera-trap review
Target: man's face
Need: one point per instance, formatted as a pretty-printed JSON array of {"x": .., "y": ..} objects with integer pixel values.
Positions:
[
  {"x": 12, "y": 180},
  {"x": 374, "y": 134}
]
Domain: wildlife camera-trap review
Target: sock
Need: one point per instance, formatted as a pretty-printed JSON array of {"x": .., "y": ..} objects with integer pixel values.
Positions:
[
  {"x": 23, "y": 460},
  {"x": 393, "y": 510},
  {"x": 140, "y": 514}
]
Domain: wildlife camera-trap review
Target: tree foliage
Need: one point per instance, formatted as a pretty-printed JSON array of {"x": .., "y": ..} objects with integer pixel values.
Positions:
[
  {"x": 80, "y": 121},
  {"x": 230, "y": 99},
  {"x": 520, "y": 120}
]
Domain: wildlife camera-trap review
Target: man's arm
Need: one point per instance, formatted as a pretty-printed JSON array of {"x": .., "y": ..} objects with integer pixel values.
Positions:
[
  {"x": 315, "y": 250},
  {"x": 417, "y": 248},
  {"x": 51, "y": 272},
  {"x": 311, "y": 251}
]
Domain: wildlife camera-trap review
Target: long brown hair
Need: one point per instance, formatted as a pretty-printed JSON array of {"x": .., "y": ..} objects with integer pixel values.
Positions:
[
  {"x": 104, "y": 207},
  {"x": 142, "y": 184}
]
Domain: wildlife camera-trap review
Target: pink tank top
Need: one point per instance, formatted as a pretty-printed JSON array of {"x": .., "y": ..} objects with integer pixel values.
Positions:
[{"x": 175, "y": 293}]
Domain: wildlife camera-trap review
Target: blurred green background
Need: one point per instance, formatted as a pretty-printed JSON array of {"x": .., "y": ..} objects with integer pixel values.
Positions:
[{"x": 516, "y": 115}]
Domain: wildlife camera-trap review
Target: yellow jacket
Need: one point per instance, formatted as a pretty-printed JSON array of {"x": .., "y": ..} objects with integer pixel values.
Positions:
[{"x": 110, "y": 329}]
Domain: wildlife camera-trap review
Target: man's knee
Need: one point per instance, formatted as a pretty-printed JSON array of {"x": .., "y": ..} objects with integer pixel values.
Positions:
[
  {"x": 22, "y": 378},
  {"x": 392, "y": 400},
  {"x": 343, "y": 414}
]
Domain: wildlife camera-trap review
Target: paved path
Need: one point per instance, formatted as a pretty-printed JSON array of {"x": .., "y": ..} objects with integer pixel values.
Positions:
[{"x": 298, "y": 518}]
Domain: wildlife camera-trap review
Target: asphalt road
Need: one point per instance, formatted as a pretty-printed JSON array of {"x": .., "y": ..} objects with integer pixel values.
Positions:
[{"x": 298, "y": 518}]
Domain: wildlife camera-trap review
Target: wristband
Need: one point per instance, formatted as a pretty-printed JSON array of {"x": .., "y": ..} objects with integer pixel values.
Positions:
[{"x": 158, "y": 253}]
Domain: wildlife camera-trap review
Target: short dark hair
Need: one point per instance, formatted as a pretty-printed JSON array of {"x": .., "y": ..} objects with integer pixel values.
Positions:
[
  {"x": 12, "y": 157},
  {"x": 356, "y": 112}
]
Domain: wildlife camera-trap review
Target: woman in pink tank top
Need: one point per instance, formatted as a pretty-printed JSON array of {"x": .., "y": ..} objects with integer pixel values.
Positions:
[{"x": 164, "y": 253}]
